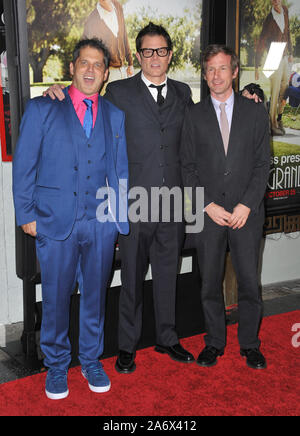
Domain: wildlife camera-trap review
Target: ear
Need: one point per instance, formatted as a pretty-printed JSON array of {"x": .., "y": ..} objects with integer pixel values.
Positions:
[
  {"x": 106, "y": 73},
  {"x": 235, "y": 74},
  {"x": 72, "y": 69},
  {"x": 138, "y": 56},
  {"x": 170, "y": 56}
]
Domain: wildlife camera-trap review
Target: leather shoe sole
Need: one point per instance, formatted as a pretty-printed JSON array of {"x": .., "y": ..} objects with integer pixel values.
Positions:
[{"x": 176, "y": 352}]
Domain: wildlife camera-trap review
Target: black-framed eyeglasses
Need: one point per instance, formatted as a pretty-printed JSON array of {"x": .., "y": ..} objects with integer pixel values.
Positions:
[{"x": 149, "y": 52}]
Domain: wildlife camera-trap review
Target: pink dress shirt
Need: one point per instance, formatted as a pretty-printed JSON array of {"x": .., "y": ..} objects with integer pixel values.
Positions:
[{"x": 77, "y": 98}]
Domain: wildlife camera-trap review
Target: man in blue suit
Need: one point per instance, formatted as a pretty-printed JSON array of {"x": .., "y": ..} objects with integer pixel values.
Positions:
[{"x": 69, "y": 152}]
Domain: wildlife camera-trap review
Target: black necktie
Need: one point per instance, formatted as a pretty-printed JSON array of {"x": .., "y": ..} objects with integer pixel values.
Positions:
[{"x": 160, "y": 98}]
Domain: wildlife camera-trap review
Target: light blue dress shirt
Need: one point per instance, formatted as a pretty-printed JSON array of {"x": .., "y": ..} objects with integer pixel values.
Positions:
[{"x": 228, "y": 108}]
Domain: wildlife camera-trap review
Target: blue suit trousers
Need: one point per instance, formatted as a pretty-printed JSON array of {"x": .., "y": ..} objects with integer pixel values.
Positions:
[{"x": 86, "y": 255}]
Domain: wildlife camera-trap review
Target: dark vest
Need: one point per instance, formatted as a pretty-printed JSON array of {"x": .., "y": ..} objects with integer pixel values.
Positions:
[{"x": 160, "y": 150}]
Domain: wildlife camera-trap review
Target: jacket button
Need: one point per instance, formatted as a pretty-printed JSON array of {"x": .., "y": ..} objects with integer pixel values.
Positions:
[
  {"x": 76, "y": 168},
  {"x": 75, "y": 193}
]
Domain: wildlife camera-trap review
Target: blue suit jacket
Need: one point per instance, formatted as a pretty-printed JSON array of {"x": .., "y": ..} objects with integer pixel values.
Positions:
[{"x": 45, "y": 173}]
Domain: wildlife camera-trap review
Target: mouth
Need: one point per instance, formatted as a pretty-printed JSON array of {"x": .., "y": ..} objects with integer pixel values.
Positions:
[
  {"x": 88, "y": 79},
  {"x": 155, "y": 65}
]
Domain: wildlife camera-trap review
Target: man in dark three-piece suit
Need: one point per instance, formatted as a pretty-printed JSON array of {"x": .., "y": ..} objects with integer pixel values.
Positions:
[
  {"x": 68, "y": 150},
  {"x": 226, "y": 150},
  {"x": 154, "y": 108}
]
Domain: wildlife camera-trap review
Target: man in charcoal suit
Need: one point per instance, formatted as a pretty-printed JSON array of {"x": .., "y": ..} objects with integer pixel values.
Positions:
[
  {"x": 226, "y": 149},
  {"x": 154, "y": 107}
]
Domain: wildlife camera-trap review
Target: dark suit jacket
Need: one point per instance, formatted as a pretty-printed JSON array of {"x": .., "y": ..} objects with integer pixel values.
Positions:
[
  {"x": 242, "y": 175},
  {"x": 153, "y": 138}
]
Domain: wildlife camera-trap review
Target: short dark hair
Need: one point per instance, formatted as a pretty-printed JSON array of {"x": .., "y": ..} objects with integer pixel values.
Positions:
[
  {"x": 215, "y": 49},
  {"x": 94, "y": 43},
  {"x": 153, "y": 29}
]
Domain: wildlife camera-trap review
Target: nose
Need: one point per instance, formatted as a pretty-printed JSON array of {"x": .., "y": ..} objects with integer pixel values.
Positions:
[{"x": 216, "y": 73}]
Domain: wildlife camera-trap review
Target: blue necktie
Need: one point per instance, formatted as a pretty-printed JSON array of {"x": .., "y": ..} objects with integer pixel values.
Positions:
[{"x": 88, "y": 117}]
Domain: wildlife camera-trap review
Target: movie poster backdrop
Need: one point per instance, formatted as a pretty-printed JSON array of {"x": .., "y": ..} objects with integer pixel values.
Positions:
[
  {"x": 270, "y": 56},
  {"x": 54, "y": 27}
]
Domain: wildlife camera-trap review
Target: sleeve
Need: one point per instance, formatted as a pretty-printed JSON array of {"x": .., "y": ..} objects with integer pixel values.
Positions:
[
  {"x": 109, "y": 94},
  {"x": 25, "y": 164},
  {"x": 190, "y": 176},
  {"x": 256, "y": 189}
]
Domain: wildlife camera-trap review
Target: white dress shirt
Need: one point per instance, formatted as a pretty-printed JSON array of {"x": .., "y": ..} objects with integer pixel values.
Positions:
[{"x": 154, "y": 91}]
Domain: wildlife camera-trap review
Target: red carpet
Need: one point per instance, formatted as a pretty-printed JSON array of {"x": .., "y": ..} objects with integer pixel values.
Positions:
[{"x": 161, "y": 387}]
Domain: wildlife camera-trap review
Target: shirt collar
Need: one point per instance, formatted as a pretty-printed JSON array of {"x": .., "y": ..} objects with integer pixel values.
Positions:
[
  {"x": 229, "y": 102},
  {"x": 148, "y": 82},
  {"x": 78, "y": 96}
]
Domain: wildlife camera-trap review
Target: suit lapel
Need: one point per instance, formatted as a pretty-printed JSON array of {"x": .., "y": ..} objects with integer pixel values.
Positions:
[
  {"x": 170, "y": 102},
  {"x": 73, "y": 125},
  {"x": 98, "y": 130},
  {"x": 213, "y": 127},
  {"x": 238, "y": 119},
  {"x": 148, "y": 101},
  {"x": 109, "y": 136}
]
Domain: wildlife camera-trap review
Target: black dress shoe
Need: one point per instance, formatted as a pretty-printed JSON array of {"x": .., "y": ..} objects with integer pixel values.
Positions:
[
  {"x": 208, "y": 357},
  {"x": 255, "y": 359},
  {"x": 125, "y": 362},
  {"x": 176, "y": 352}
]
